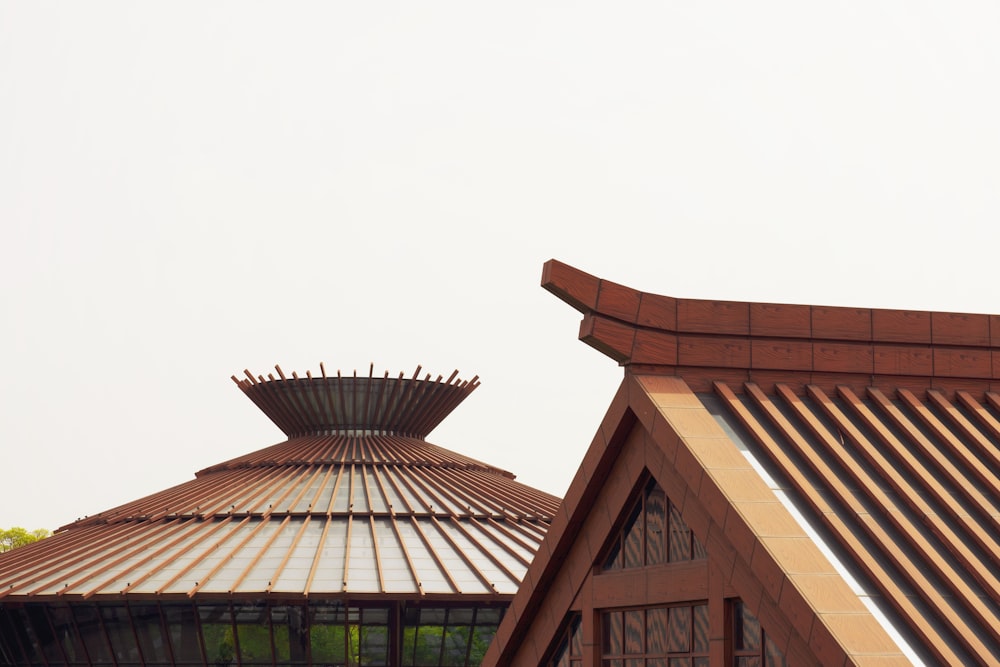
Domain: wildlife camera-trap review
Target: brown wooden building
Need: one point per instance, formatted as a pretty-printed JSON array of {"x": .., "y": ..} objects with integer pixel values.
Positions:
[
  {"x": 353, "y": 542},
  {"x": 773, "y": 485}
]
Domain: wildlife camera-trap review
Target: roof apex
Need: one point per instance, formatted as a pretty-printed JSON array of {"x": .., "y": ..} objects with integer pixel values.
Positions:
[{"x": 725, "y": 502}]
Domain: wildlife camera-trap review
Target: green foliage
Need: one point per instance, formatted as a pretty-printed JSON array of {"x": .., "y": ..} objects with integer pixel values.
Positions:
[
  {"x": 255, "y": 643},
  {"x": 18, "y": 537},
  {"x": 429, "y": 645},
  {"x": 219, "y": 644},
  {"x": 328, "y": 644}
]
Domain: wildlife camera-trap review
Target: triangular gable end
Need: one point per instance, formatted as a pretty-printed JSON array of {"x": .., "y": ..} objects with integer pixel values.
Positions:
[{"x": 756, "y": 552}]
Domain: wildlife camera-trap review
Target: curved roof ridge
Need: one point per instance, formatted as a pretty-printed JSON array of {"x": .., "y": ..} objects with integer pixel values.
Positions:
[{"x": 735, "y": 341}]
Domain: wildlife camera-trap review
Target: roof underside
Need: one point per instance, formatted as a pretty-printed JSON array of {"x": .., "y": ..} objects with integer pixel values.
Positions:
[{"x": 352, "y": 404}]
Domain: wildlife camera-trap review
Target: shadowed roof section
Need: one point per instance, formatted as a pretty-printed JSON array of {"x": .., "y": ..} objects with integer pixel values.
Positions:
[
  {"x": 324, "y": 405},
  {"x": 879, "y": 428}
]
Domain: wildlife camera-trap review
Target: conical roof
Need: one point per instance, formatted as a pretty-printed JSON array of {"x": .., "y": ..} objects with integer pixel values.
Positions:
[{"x": 354, "y": 502}]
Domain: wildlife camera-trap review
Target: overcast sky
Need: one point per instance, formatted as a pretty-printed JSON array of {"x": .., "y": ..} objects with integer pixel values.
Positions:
[{"x": 188, "y": 189}]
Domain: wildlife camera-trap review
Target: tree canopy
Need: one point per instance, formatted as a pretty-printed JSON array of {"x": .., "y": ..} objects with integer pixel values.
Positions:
[{"x": 18, "y": 537}]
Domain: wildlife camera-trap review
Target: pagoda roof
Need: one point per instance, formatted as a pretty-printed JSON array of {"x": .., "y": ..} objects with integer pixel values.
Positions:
[{"x": 356, "y": 502}]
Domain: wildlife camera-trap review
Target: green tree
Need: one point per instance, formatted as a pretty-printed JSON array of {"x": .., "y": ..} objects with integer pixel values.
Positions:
[{"x": 18, "y": 537}]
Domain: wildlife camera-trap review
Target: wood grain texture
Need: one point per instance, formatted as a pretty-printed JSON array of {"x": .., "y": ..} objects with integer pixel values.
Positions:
[
  {"x": 843, "y": 357},
  {"x": 609, "y": 337},
  {"x": 780, "y": 320},
  {"x": 570, "y": 284},
  {"x": 903, "y": 360},
  {"x": 658, "y": 312},
  {"x": 901, "y": 326},
  {"x": 717, "y": 351},
  {"x": 781, "y": 354},
  {"x": 618, "y": 301},
  {"x": 837, "y": 323},
  {"x": 963, "y": 363},
  {"x": 960, "y": 329},
  {"x": 717, "y": 317}
]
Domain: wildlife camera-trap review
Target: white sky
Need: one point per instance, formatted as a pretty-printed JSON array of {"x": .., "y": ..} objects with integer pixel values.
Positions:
[{"x": 188, "y": 189}]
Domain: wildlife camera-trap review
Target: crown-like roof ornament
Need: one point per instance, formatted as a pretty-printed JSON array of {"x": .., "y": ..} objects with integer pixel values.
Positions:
[{"x": 356, "y": 405}]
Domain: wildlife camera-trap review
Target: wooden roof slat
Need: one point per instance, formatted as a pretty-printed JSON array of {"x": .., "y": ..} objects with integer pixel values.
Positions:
[
  {"x": 945, "y": 468},
  {"x": 53, "y": 568},
  {"x": 931, "y": 557},
  {"x": 926, "y": 479},
  {"x": 985, "y": 417},
  {"x": 890, "y": 471},
  {"x": 260, "y": 553},
  {"x": 347, "y": 551},
  {"x": 434, "y": 555},
  {"x": 970, "y": 433},
  {"x": 213, "y": 527},
  {"x": 288, "y": 554},
  {"x": 316, "y": 557},
  {"x": 842, "y": 532},
  {"x": 378, "y": 554},
  {"x": 222, "y": 561},
  {"x": 133, "y": 548}
]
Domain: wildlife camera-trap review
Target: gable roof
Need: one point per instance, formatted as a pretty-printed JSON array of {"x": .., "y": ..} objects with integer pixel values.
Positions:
[{"x": 840, "y": 464}]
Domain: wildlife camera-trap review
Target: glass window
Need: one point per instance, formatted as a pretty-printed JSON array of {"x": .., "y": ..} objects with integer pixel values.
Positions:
[
  {"x": 288, "y": 623},
  {"x": 679, "y": 630},
  {"x": 31, "y": 632},
  {"x": 217, "y": 633},
  {"x": 149, "y": 630},
  {"x": 653, "y": 532},
  {"x": 569, "y": 644},
  {"x": 751, "y": 645},
  {"x": 613, "y": 637},
  {"x": 656, "y": 630},
  {"x": 680, "y": 536},
  {"x": 182, "y": 626},
  {"x": 119, "y": 628},
  {"x": 373, "y": 637},
  {"x": 247, "y": 633},
  {"x": 42, "y": 632},
  {"x": 327, "y": 633},
  {"x": 88, "y": 622},
  {"x": 62, "y": 623},
  {"x": 10, "y": 644},
  {"x": 633, "y": 537},
  {"x": 485, "y": 622},
  {"x": 699, "y": 639},
  {"x": 746, "y": 629},
  {"x": 452, "y": 636},
  {"x": 675, "y": 636},
  {"x": 425, "y": 637},
  {"x": 656, "y": 509},
  {"x": 253, "y": 633},
  {"x": 634, "y": 621}
]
